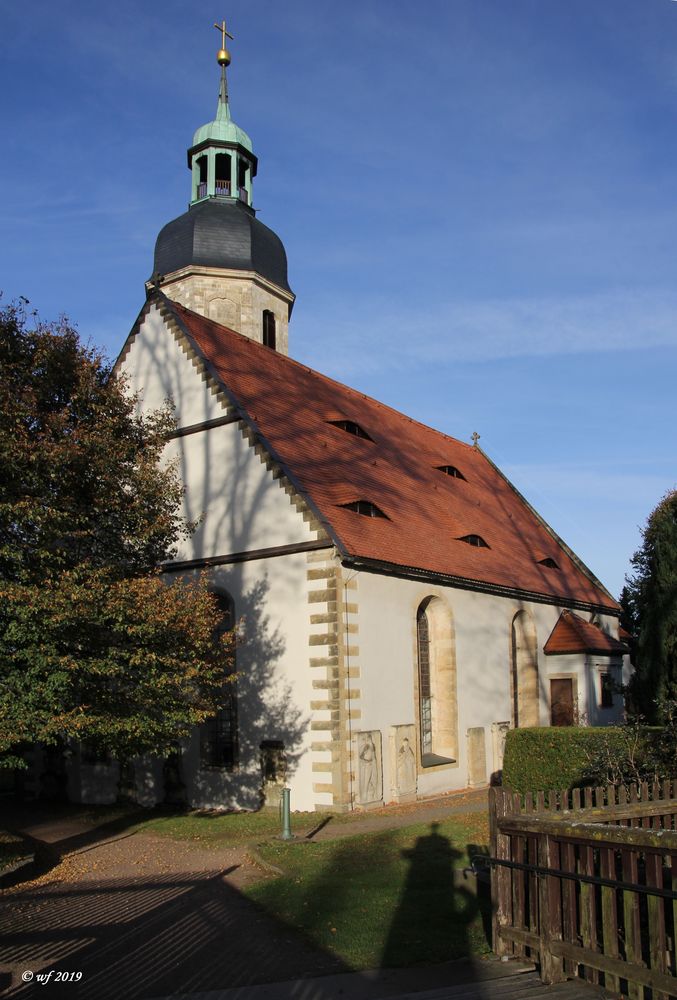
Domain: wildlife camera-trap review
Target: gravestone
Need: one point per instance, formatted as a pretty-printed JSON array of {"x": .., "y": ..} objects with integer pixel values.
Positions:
[
  {"x": 403, "y": 781},
  {"x": 369, "y": 768},
  {"x": 477, "y": 757}
]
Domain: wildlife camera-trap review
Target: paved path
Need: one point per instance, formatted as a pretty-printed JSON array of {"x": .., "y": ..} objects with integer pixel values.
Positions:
[{"x": 144, "y": 917}]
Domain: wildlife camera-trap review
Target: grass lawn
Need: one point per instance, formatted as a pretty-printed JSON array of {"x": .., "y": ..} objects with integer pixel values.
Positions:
[
  {"x": 382, "y": 899},
  {"x": 208, "y": 829},
  {"x": 223, "y": 829}
]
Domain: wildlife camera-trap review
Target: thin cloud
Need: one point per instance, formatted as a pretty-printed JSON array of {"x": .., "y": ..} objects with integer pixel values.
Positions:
[{"x": 488, "y": 331}]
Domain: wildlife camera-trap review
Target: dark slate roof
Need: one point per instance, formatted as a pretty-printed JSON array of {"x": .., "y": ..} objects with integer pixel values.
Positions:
[
  {"x": 397, "y": 468},
  {"x": 217, "y": 233},
  {"x": 573, "y": 635}
]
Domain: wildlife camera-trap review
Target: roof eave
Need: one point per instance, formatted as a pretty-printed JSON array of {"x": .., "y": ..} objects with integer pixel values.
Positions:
[
  {"x": 467, "y": 583},
  {"x": 621, "y": 651}
]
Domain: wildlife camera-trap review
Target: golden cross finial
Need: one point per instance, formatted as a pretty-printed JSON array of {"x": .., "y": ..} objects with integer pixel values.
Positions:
[{"x": 224, "y": 34}]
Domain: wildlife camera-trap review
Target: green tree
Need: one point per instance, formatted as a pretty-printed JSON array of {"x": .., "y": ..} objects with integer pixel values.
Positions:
[
  {"x": 93, "y": 644},
  {"x": 651, "y": 598}
]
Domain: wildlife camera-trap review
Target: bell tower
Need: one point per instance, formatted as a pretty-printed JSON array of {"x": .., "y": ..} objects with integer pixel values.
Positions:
[{"x": 217, "y": 258}]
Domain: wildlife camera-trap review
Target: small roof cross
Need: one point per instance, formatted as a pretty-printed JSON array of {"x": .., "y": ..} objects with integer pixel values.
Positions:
[
  {"x": 475, "y": 438},
  {"x": 224, "y": 34}
]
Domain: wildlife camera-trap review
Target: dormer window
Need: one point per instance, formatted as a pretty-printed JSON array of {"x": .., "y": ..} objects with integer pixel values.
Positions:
[
  {"x": 475, "y": 540},
  {"x": 268, "y": 335},
  {"x": 350, "y": 427},
  {"x": 451, "y": 470},
  {"x": 364, "y": 507},
  {"x": 548, "y": 562}
]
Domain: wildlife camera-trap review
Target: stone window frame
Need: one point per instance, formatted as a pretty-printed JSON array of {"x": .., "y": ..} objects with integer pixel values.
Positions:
[
  {"x": 526, "y": 614},
  {"x": 443, "y": 620}
]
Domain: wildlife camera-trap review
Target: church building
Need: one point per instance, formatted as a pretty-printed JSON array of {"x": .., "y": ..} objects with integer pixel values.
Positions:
[{"x": 398, "y": 604}]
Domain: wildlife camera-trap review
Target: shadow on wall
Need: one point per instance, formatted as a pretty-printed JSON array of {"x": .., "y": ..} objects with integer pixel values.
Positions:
[{"x": 266, "y": 712}]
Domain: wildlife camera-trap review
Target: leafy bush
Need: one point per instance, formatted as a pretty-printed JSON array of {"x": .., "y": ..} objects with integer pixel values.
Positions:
[{"x": 571, "y": 756}]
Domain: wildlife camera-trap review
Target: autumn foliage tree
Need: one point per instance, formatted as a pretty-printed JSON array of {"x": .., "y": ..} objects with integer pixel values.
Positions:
[{"x": 94, "y": 645}]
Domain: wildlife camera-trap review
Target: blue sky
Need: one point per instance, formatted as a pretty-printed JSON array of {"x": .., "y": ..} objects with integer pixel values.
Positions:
[{"x": 477, "y": 198}]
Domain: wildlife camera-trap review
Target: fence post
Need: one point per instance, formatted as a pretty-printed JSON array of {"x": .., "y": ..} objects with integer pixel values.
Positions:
[
  {"x": 550, "y": 910},
  {"x": 500, "y": 876}
]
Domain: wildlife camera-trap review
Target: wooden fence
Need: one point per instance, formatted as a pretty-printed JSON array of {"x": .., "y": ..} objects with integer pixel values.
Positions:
[{"x": 584, "y": 882}]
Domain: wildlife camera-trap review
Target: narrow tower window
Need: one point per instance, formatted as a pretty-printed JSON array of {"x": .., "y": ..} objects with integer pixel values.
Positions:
[
  {"x": 202, "y": 177},
  {"x": 269, "y": 328},
  {"x": 222, "y": 180},
  {"x": 242, "y": 167}
]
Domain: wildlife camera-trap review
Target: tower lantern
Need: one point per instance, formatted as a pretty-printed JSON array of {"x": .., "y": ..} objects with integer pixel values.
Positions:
[
  {"x": 217, "y": 258},
  {"x": 221, "y": 158}
]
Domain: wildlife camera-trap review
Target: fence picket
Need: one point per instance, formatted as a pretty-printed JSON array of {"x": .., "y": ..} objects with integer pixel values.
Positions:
[
  {"x": 665, "y": 794},
  {"x": 644, "y": 797},
  {"x": 654, "y": 877},
  {"x": 622, "y": 800},
  {"x": 588, "y": 909},
  {"x": 550, "y": 910},
  {"x": 631, "y": 920},
  {"x": 569, "y": 923},
  {"x": 609, "y": 915}
]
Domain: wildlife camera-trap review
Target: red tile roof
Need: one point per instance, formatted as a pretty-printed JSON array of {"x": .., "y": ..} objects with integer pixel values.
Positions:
[
  {"x": 573, "y": 635},
  {"x": 293, "y": 407}
]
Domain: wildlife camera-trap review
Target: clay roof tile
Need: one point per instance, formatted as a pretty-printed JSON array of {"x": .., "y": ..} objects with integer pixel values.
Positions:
[{"x": 427, "y": 511}]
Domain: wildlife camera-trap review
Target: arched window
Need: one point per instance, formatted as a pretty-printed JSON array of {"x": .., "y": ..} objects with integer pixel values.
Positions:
[
  {"x": 524, "y": 671},
  {"x": 437, "y": 698},
  {"x": 218, "y": 735},
  {"x": 201, "y": 164},
  {"x": 269, "y": 328},
  {"x": 222, "y": 174}
]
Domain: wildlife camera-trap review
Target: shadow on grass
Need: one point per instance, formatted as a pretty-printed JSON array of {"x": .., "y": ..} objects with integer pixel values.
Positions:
[
  {"x": 378, "y": 905},
  {"x": 434, "y": 911}
]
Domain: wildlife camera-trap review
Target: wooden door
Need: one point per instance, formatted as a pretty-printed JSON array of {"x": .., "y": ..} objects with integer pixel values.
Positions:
[{"x": 562, "y": 702}]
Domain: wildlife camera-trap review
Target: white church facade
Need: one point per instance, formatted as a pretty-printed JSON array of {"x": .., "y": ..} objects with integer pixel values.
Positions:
[{"x": 398, "y": 604}]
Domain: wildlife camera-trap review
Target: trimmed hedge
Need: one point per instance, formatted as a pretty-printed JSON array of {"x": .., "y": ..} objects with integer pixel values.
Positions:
[{"x": 559, "y": 756}]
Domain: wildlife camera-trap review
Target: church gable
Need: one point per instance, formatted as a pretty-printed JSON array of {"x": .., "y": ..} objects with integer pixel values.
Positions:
[
  {"x": 234, "y": 489},
  {"x": 161, "y": 365}
]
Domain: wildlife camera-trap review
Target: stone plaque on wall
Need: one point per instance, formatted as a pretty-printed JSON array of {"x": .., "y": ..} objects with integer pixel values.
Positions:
[
  {"x": 498, "y": 733},
  {"x": 225, "y": 311},
  {"x": 477, "y": 757},
  {"x": 369, "y": 768},
  {"x": 403, "y": 763}
]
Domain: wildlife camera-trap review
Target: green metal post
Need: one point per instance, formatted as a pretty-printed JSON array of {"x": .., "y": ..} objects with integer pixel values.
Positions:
[{"x": 286, "y": 815}]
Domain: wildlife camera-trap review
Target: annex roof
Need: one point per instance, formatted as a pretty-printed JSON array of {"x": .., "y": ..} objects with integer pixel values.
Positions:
[
  {"x": 294, "y": 410},
  {"x": 573, "y": 635}
]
